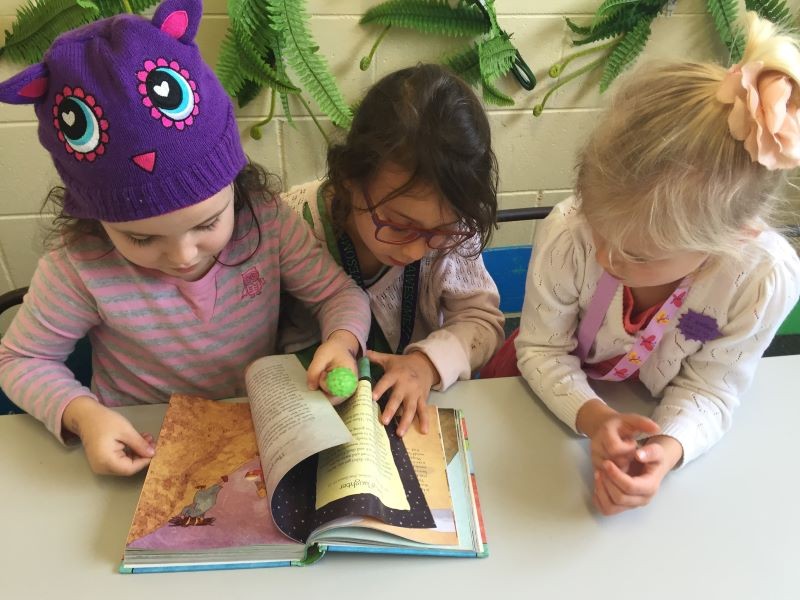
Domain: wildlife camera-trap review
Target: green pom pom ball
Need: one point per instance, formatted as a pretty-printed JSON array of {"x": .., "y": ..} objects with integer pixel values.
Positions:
[{"x": 342, "y": 382}]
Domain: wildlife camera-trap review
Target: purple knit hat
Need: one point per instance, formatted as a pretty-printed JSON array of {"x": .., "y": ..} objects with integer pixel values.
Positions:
[{"x": 137, "y": 124}]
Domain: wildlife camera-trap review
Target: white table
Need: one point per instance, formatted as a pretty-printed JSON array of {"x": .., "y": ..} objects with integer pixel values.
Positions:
[{"x": 726, "y": 526}]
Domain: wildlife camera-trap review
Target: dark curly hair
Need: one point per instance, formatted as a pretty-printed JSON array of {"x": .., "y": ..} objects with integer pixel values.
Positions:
[
  {"x": 252, "y": 184},
  {"x": 429, "y": 122}
]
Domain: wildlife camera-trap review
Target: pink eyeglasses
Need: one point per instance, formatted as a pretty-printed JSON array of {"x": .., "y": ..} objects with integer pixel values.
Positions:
[{"x": 436, "y": 239}]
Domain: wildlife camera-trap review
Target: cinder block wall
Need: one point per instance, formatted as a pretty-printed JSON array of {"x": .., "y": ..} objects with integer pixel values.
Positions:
[{"x": 536, "y": 155}]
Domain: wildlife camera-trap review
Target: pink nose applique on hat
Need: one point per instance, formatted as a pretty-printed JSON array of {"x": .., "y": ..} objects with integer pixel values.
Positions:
[{"x": 146, "y": 161}]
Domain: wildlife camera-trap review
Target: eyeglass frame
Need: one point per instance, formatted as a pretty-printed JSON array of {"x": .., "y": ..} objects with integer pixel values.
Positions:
[{"x": 457, "y": 237}]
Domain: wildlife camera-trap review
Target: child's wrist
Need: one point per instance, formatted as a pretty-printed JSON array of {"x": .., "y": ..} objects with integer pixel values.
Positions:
[
  {"x": 346, "y": 339},
  {"x": 673, "y": 450},
  {"x": 591, "y": 415},
  {"x": 425, "y": 360},
  {"x": 76, "y": 412}
]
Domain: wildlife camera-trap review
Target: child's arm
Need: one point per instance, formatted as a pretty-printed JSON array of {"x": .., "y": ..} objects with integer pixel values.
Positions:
[
  {"x": 549, "y": 319},
  {"x": 410, "y": 377},
  {"x": 698, "y": 403},
  {"x": 461, "y": 291},
  {"x": 311, "y": 275},
  {"x": 56, "y": 312},
  {"x": 339, "y": 350},
  {"x": 112, "y": 445}
]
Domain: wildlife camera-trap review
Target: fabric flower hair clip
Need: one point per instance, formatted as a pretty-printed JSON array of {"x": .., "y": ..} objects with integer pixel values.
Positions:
[{"x": 765, "y": 114}]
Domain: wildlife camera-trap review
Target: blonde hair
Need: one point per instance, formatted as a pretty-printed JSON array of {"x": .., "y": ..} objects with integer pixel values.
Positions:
[{"x": 663, "y": 162}]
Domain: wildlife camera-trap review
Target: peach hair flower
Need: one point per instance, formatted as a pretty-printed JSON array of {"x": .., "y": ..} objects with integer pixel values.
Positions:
[{"x": 765, "y": 113}]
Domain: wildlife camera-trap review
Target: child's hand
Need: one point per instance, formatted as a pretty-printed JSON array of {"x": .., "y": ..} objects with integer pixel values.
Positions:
[
  {"x": 613, "y": 434},
  {"x": 616, "y": 490},
  {"x": 411, "y": 377},
  {"x": 112, "y": 445},
  {"x": 338, "y": 351}
]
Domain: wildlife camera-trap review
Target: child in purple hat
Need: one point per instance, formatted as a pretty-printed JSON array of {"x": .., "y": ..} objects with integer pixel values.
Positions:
[{"x": 171, "y": 250}]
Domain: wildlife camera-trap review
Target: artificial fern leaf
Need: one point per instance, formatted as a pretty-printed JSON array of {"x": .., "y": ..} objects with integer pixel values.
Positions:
[
  {"x": 429, "y": 16},
  {"x": 494, "y": 28},
  {"x": 609, "y": 8},
  {"x": 579, "y": 29},
  {"x": 289, "y": 18},
  {"x": 230, "y": 75},
  {"x": 287, "y": 110},
  {"x": 258, "y": 64},
  {"x": 602, "y": 32},
  {"x": 240, "y": 62},
  {"x": 39, "y": 23},
  {"x": 496, "y": 56},
  {"x": 623, "y": 21},
  {"x": 494, "y": 96},
  {"x": 250, "y": 19},
  {"x": 248, "y": 92},
  {"x": 724, "y": 13},
  {"x": 467, "y": 64},
  {"x": 109, "y": 8},
  {"x": 625, "y": 53},
  {"x": 773, "y": 10}
]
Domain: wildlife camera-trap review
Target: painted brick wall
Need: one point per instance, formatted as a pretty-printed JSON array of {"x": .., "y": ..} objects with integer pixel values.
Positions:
[{"x": 535, "y": 154}]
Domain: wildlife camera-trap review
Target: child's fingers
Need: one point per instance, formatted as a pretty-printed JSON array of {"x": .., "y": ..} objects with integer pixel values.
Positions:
[
  {"x": 600, "y": 496},
  {"x": 395, "y": 400},
  {"x": 136, "y": 443},
  {"x": 614, "y": 446},
  {"x": 409, "y": 411},
  {"x": 315, "y": 372},
  {"x": 379, "y": 358},
  {"x": 619, "y": 498},
  {"x": 388, "y": 380},
  {"x": 129, "y": 465},
  {"x": 422, "y": 415},
  {"x": 639, "y": 424},
  {"x": 640, "y": 486},
  {"x": 650, "y": 453}
]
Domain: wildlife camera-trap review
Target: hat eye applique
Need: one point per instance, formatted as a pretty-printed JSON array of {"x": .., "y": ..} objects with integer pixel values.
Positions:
[
  {"x": 80, "y": 124},
  {"x": 169, "y": 92}
]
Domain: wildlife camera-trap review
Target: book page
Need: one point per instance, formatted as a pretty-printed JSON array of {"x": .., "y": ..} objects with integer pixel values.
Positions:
[
  {"x": 203, "y": 489},
  {"x": 291, "y": 422},
  {"x": 426, "y": 452},
  {"x": 365, "y": 465}
]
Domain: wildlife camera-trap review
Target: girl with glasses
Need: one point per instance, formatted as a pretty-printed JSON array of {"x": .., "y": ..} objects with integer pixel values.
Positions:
[{"x": 408, "y": 204}]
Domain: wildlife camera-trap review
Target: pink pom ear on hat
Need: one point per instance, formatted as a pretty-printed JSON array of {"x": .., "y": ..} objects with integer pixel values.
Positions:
[
  {"x": 26, "y": 87},
  {"x": 179, "y": 19}
]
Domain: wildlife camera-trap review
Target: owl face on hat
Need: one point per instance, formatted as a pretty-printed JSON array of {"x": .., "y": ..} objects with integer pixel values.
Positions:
[{"x": 136, "y": 122}]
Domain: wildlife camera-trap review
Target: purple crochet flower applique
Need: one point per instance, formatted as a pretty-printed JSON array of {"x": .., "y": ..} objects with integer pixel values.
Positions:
[{"x": 697, "y": 326}]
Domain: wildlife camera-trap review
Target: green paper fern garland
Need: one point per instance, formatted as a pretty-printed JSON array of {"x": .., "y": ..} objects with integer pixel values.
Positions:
[
  {"x": 432, "y": 17},
  {"x": 38, "y": 24},
  {"x": 489, "y": 58},
  {"x": 725, "y": 13},
  {"x": 625, "y": 53},
  {"x": 289, "y": 19}
]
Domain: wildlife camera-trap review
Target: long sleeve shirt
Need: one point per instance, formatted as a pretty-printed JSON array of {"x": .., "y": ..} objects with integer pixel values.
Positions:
[
  {"x": 458, "y": 323},
  {"x": 699, "y": 383},
  {"x": 153, "y": 334}
]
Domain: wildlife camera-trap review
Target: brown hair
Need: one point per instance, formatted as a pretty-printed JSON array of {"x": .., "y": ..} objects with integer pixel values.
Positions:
[{"x": 429, "y": 122}]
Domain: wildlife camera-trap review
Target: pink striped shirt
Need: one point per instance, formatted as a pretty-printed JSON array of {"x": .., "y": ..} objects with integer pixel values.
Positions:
[{"x": 153, "y": 334}]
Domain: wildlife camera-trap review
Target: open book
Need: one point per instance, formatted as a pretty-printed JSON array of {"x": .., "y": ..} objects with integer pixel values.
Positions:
[{"x": 286, "y": 477}]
